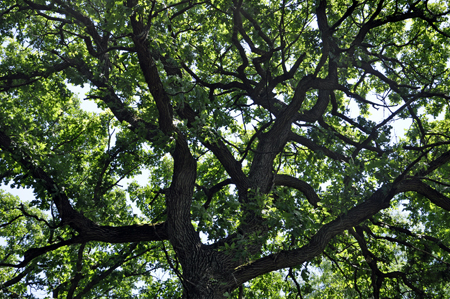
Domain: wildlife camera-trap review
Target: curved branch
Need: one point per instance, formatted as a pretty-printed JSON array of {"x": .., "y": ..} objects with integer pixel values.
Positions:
[
  {"x": 30, "y": 77},
  {"x": 213, "y": 190},
  {"x": 89, "y": 230},
  {"x": 290, "y": 258},
  {"x": 15, "y": 279},
  {"x": 305, "y": 188},
  {"x": 107, "y": 234},
  {"x": 420, "y": 187}
]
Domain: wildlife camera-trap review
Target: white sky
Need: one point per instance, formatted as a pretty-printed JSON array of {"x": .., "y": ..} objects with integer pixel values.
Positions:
[{"x": 89, "y": 105}]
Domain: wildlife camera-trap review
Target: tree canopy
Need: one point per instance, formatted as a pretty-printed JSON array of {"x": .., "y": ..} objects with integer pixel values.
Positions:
[{"x": 267, "y": 132}]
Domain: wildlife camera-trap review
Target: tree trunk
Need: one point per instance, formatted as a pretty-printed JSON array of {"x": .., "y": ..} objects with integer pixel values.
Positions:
[{"x": 206, "y": 274}]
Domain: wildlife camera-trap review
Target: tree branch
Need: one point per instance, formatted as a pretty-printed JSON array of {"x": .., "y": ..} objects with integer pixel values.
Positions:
[
  {"x": 420, "y": 187},
  {"x": 290, "y": 258},
  {"x": 305, "y": 188}
]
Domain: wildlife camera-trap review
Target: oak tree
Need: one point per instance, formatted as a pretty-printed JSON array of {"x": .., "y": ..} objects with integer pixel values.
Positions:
[{"x": 268, "y": 135}]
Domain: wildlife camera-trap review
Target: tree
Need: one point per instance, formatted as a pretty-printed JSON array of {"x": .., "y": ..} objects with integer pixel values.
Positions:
[{"x": 267, "y": 176}]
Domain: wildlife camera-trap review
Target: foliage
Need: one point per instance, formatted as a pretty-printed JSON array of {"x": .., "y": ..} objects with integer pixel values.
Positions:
[{"x": 268, "y": 133}]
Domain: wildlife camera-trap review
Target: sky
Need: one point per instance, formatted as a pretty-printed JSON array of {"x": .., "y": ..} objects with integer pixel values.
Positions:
[
  {"x": 87, "y": 105},
  {"x": 91, "y": 106}
]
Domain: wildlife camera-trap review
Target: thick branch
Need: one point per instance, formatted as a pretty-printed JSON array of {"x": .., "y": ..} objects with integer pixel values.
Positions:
[
  {"x": 213, "y": 190},
  {"x": 107, "y": 234},
  {"x": 28, "y": 78},
  {"x": 87, "y": 229},
  {"x": 305, "y": 188},
  {"x": 272, "y": 142},
  {"x": 290, "y": 258},
  {"x": 151, "y": 75},
  {"x": 420, "y": 187},
  {"x": 220, "y": 150}
]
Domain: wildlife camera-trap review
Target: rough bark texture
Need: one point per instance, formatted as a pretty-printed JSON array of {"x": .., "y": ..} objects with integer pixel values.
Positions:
[{"x": 209, "y": 271}]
